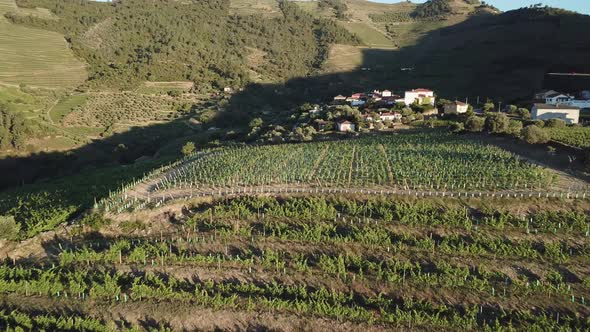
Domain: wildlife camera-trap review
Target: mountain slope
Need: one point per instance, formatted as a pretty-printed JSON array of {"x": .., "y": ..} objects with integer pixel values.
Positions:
[{"x": 131, "y": 41}]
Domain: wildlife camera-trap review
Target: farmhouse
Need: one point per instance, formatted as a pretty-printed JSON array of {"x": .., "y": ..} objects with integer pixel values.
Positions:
[
  {"x": 345, "y": 126},
  {"x": 542, "y": 95},
  {"x": 391, "y": 116},
  {"x": 570, "y": 114},
  {"x": 419, "y": 96},
  {"x": 339, "y": 99},
  {"x": 557, "y": 98},
  {"x": 386, "y": 93},
  {"x": 456, "y": 107}
]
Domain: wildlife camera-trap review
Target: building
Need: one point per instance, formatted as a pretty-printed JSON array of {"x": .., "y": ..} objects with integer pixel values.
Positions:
[
  {"x": 419, "y": 96},
  {"x": 569, "y": 114},
  {"x": 386, "y": 93},
  {"x": 228, "y": 89},
  {"x": 345, "y": 126},
  {"x": 456, "y": 107},
  {"x": 339, "y": 99},
  {"x": 355, "y": 101},
  {"x": 541, "y": 96},
  {"x": 557, "y": 98},
  {"x": 391, "y": 116}
]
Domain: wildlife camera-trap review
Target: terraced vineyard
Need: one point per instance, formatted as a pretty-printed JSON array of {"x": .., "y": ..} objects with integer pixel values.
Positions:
[
  {"x": 574, "y": 136},
  {"x": 321, "y": 263},
  {"x": 418, "y": 159}
]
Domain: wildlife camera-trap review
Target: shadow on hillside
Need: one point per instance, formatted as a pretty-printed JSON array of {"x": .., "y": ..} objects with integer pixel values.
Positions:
[{"x": 483, "y": 56}]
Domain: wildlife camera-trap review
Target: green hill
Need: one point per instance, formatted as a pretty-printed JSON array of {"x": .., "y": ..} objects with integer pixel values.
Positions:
[{"x": 132, "y": 41}]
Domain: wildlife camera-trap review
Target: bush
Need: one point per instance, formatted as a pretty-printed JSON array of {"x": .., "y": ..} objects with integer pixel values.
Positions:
[
  {"x": 524, "y": 113},
  {"x": 555, "y": 123},
  {"x": 538, "y": 123},
  {"x": 457, "y": 127},
  {"x": 9, "y": 228},
  {"x": 514, "y": 128},
  {"x": 474, "y": 124},
  {"x": 188, "y": 148},
  {"x": 534, "y": 135},
  {"x": 95, "y": 221},
  {"x": 497, "y": 123}
]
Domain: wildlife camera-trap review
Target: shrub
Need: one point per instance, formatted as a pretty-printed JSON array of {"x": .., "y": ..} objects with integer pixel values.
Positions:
[
  {"x": 497, "y": 123},
  {"x": 514, "y": 128},
  {"x": 9, "y": 228},
  {"x": 534, "y": 135},
  {"x": 474, "y": 124},
  {"x": 538, "y": 123},
  {"x": 555, "y": 123},
  {"x": 457, "y": 127},
  {"x": 188, "y": 148},
  {"x": 95, "y": 221},
  {"x": 524, "y": 113}
]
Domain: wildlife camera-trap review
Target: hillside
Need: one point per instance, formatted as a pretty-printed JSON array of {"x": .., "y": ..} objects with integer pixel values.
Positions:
[{"x": 133, "y": 41}]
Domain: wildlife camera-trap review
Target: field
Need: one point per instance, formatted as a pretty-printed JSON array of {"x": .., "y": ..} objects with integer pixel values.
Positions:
[
  {"x": 311, "y": 263},
  {"x": 35, "y": 57},
  {"x": 574, "y": 136},
  {"x": 65, "y": 106},
  {"x": 368, "y": 35}
]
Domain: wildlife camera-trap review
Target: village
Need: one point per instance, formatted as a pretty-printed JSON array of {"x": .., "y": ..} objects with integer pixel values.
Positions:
[{"x": 382, "y": 109}]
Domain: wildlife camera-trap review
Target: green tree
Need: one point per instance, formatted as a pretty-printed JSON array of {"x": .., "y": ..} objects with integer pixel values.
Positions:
[
  {"x": 514, "y": 128},
  {"x": 534, "y": 135},
  {"x": 188, "y": 148},
  {"x": 555, "y": 123},
  {"x": 256, "y": 123},
  {"x": 497, "y": 123},
  {"x": 9, "y": 228},
  {"x": 474, "y": 124}
]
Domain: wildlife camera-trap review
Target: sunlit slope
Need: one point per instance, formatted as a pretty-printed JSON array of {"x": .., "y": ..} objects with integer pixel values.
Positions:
[{"x": 35, "y": 57}]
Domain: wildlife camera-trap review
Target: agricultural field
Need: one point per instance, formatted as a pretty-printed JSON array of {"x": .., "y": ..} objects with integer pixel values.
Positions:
[
  {"x": 574, "y": 136},
  {"x": 104, "y": 109},
  {"x": 36, "y": 57},
  {"x": 332, "y": 263},
  {"x": 430, "y": 159}
]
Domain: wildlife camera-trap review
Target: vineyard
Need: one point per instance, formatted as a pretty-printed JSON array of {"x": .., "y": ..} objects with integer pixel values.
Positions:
[
  {"x": 420, "y": 159},
  {"x": 106, "y": 109},
  {"x": 574, "y": 136},
  {"x": 330, "y": 263}
]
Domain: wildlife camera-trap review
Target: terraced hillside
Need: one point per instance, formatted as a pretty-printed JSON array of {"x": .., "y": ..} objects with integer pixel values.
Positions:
[
  {"x": 36, "y": 57},
  {"x": 311, "y": 263}
]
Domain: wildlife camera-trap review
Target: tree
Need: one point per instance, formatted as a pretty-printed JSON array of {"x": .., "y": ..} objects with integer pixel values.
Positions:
[
  {"x": 255, "y": 123},
  {"x": 514, "y": 128},
  {"x": 497, "y": 123},
  {"x": 457, "y": 127},
  {"x": 524, "y": 113},
  {"x": 188, "y": 148},
  {"x": 488, "y": 107},
  {"x": 474, "y": 124},
  {"x": 534, "y": 135},
  {"x": 555, "y": 123},
  {"x": 9, "y": 228}
]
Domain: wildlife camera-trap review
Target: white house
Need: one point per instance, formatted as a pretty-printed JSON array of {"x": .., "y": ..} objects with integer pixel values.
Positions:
[
  {"x": 345, "y": 126},
  {"x": 543, "y": 94},
  {"x": 391, "y": 116},
  {"x": 386, "y": 93},
  {"x": 456, "y": 107},
  {"x": 570, "y": 114},
  {"x": 420, "y": 96},
  {"x": 339, "y": 99},
  {"x": 557, "y": 98},
  {"x": 355, "y": 101}
]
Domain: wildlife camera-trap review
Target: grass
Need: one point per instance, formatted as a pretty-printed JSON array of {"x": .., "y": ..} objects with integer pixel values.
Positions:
[
  {"x": 250, "y": 7},
  {"x": 65, "y": 106},
  {"x": 36, "y": 57}
]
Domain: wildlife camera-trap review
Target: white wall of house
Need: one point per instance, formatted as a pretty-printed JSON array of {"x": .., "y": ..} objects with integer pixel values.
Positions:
[
  {"x": 386, "y": 93},
  {"x": 570, "y": 116},
  {"x": 455, "y": 108},
  {"x": 411, "y": 96},
  {"x": 559, "y": 99},
  {"x": 345, "y": 127}
]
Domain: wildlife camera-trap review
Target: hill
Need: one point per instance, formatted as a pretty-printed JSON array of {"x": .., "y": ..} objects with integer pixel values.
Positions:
[
  {"x": 126, "y": 43},
  {"x": 35, "y": 57}
]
